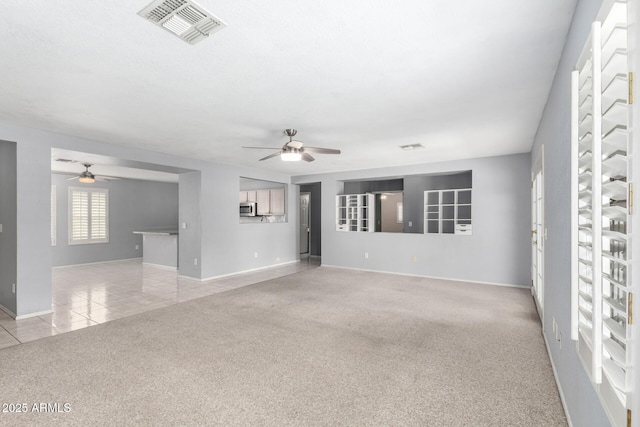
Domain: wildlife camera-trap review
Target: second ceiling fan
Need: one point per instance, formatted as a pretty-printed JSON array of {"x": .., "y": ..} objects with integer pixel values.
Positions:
[
  {"x": 293, "y": 150},
  {"x": 88, "y": 177}
]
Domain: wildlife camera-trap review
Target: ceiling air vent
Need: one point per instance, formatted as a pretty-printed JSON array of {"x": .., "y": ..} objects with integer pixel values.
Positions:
[
  {"x": 411, "y": 147},
  {"x": 183, "y": 18}
]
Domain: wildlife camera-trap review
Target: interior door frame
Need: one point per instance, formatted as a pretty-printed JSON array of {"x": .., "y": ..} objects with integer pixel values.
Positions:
[{"x": 538, "y": 233}]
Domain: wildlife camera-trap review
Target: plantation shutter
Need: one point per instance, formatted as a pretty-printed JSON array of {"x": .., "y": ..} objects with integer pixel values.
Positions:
[
  {"x": 88, "y": 215},
  {"x": 601, "y": 203},
  {"x": 98, "y": 216}
]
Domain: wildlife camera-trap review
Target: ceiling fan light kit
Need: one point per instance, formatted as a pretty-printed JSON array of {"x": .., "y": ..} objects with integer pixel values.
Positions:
[
  {"x": 294, "y": 151},
  {"x": 292, "y": 156},
  {"x": 86, "y": 176}
]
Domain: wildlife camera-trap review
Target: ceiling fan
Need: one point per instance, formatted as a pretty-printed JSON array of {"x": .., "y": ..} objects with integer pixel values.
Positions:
[
  {"x": 88, "y": 178},
  {"x": 294, "y": 151}
]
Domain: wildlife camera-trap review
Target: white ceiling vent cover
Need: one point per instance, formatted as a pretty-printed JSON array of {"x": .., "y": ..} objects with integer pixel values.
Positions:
[{"x": 183, "y": 18}]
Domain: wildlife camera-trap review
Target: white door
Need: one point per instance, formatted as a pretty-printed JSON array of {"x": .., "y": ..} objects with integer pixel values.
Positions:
[
  {"x": 537, "y": 240},
  {"x": 305, "y": 228}
]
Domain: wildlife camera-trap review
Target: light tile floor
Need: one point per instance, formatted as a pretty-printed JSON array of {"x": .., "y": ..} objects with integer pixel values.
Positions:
[{"x": 91, "y": 294}]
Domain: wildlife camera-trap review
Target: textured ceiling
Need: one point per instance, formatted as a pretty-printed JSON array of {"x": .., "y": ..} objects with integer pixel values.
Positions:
[{"x": 464, "y": 79}]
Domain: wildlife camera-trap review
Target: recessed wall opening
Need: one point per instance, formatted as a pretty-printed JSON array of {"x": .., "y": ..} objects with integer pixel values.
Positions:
[{"x": 419, "y": 204}]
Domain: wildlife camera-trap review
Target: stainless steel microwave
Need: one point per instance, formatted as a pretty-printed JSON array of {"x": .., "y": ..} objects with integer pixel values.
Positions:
[{"x": 248, "y": 209}]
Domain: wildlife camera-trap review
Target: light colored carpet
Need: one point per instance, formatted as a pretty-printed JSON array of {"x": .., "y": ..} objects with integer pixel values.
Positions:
[{"x": 321, "y": 347}]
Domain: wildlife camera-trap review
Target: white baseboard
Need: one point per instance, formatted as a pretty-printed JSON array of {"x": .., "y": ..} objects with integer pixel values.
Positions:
[
  {"x": 164, "y": 267},
  {"x": 97, "y": 262},
  {"x": 429, "y": 277},
  {"x": 24, "y": 316},
  {"x": 39, "y": 313},
  {"x": 555, "y": 376},
  {"x": 247, "y": 271}
]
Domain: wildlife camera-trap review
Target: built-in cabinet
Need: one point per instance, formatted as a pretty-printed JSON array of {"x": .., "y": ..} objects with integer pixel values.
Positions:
[
  {"x": 269, "y": 201},
  {"x": 447, "y": 211},
  {"x": 355, "y": 212},
  {"x": 248, "y": 196},
  {"x": 602, "y": 288}
]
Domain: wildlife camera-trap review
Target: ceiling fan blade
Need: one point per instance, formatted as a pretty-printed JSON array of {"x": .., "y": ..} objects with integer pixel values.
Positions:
[
  {"x": 263, "y": 148},
  {"x": 307, "y": 157},
  {"x": 106, "y": 178},
  {"x": 320, "y": 150},
  {"x": 72, "y": 178},
  {"x": 270, "y": 156}
]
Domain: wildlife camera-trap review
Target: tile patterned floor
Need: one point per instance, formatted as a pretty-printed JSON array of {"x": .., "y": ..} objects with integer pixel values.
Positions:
[{"x": 91, "y": 294}]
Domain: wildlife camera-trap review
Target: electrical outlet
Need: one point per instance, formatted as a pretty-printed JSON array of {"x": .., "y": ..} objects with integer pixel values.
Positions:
[
  {"x": 255, "y": 254},
  {"x": 414, "y": 258},
  {"x": 195, "y": 261},
  {"x": 137, "y": 247},
  {"x": 410, "y": 223},
  {"x": 277, "y": 259},
  {"x": 366, "y": 255},
  {"x": 560, "y": 340},
  {"x": 13, "y": 288},
  {"x": 184, "y": 225}
]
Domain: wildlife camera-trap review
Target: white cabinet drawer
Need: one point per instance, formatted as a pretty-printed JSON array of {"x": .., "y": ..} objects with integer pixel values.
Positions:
[{"x": 464, "y": 228}]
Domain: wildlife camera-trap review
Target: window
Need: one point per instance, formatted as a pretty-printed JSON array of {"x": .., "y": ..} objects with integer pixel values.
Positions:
[
  {"x": 53, "y": 216},
  {"x": 88, "y": 215},
  {"x": 399, "y": 213}
]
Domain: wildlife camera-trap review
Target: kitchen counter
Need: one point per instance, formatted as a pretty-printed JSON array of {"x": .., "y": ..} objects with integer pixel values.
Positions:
[
  {"x": 159, "y": 232},
  {"x": 160, "y": 247}
]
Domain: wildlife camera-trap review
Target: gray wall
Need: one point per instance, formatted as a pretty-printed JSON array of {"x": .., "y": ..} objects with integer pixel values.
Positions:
[
  {"x": 497, "y": 252},
  {"x": 8, "y": 219},
  {"x": 133, "y": 205},
  {"x": 375, "y": 186},
  {"x": 226, "y": 246},
  {"x": 554, "y": 132},
  {"x": 189, "y": 238},
  {"x": 316, "y": 216}
]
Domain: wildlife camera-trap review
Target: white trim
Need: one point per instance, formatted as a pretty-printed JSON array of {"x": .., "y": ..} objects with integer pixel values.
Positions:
[
  {"x": 27, "y": 316},
  {"x": 164, "y": 267},
  {"x": 558, "y": 384},
  {"x": 54, "y": 215},
  {"x": 23, "y": 316},
  {"x": 96, "y": 262},
  {"x": 243, "y": 271},
  {"x": 431, "y": 277}
]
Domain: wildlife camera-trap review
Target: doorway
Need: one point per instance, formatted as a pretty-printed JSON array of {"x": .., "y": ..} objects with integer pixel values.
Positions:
[
  {"x": 310, "y": 221},
  {"x": 537, "y": 234},
  {"x": 305, "y": 224}
]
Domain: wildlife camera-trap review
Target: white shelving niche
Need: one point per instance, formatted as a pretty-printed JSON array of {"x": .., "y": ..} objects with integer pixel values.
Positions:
[
  {"x": 601, "y": 217},
  {"x": 448, "y": 211},
  {"x": 355, "y": 212}
]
